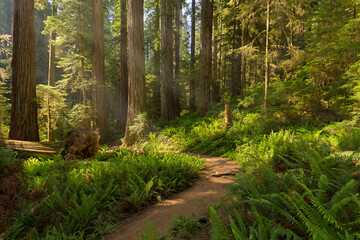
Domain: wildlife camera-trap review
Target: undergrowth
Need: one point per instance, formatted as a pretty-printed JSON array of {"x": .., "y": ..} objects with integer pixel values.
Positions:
[
  {"x": 85, "y": 199},
  {"x": 297, "y": 181}
]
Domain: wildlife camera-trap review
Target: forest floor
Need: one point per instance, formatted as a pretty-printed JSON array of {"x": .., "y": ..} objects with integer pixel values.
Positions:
[{"x": 194, "y": 201}]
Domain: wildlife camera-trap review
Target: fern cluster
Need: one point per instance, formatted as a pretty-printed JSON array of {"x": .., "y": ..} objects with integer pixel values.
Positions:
[
  {"x": 306, "y": 189},
  {"x": 84, "y": 200}
]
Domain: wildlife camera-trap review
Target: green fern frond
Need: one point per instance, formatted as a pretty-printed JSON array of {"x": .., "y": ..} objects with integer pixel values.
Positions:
[
  {"x": 218, "y": 229},
  {"x": 323, "y": 187},
  {"x": 316, "y": 225},
  {"x": 238, "y": 233},
  {"x": 344, "y": 191}
]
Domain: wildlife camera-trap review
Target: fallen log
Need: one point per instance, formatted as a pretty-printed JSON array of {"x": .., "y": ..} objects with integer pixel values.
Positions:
[{"x": 32, "y": 149}]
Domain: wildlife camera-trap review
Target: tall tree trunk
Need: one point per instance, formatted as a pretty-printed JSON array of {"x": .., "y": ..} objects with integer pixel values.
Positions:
[
  {"x": 243, "y": 59},
  {"x": 51, "y": 77},
  {"x": 220, "y": 60},
  {"x": 98, "y": 70},
  {"x": 192, "y": 60},
  {"x": 204, "y": 101},
  {"x": 124, "y": 85},
  {"x": 24, "y": 122},
  {"x": 267, "y": 60},
  {"x": 215, "y": 93},
  {"x": 157, "y": 62},
  {"x": 235, "y": 65},
  {"x": 137, "y": 93},
  {"x": 177, "y": 109},
  {"x": 167, "y": 95},
  {"x": 86, "y": 123}
]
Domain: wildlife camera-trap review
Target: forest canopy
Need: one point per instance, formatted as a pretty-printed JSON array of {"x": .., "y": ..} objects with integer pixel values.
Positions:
[{"x": 98, "y": 64}]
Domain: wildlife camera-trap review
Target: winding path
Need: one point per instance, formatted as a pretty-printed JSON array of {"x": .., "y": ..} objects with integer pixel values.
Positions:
[{"x": 209, "y": 188}]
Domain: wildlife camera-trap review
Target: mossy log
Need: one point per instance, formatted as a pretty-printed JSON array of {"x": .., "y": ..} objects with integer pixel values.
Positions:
[{"x": 32, "y": 149}]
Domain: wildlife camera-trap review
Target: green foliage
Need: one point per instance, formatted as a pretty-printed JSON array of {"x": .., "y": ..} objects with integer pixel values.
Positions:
[
  {"x": 51, "y": 102},
  {"x": 297, "y": 186},
  {"x": 5, "y": 60},
  {"x": 141, "y": 125},
  {"x": 150, "y": 233},
  {"x": 80, "y": 114},
  {"x": 7, "y": 156},
  {"x": 184, "y": 227},
  {"x": 78, "y": 200}
]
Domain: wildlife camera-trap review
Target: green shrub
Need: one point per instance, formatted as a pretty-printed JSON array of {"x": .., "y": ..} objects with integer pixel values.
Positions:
[
  {"x": 298, "y": 186},
  {"x": 184, "y": 227},
  {"x": 81, "y": 200},
  {"x": 7, "y": 156}
]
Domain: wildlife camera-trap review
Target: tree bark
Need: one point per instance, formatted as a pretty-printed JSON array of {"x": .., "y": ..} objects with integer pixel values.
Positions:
[
  {"x": 177, "y": 107},
  {"x": 51, "y": 76},
  {"x": 124, "y": 85},
  {"x": 243, "y": 59},
  {"x": 204, "y": 100},
  {"x": 215, "y": 93},
  {"x": 267, "y": 60},
  {"x": 192, "y": 100},
  {"x": 86, "y": 123},
  {"x": 235, "y": 65},
  {"x": 137, "y": 94},
  {"x": 167, "y": 95},
  {"x": 24, "y": 122},
  {"x": 157, "y": 62},
  {"x": 98, "y": 71}
]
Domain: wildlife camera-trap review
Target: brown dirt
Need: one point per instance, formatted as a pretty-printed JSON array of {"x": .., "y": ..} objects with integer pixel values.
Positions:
[{"x": 195, "y": 200}]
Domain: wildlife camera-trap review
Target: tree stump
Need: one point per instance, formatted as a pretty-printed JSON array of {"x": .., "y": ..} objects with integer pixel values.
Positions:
[
  {"x": 229, "y": 117},
  {"x": 82, "y": 144}
]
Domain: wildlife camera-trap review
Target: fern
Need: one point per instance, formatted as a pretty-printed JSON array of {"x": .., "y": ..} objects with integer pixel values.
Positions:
[{"x": 218, "y": 229}]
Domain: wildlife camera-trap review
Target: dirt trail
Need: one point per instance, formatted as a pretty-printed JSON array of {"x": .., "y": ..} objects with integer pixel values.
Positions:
[{"x": 209, "y": 188}]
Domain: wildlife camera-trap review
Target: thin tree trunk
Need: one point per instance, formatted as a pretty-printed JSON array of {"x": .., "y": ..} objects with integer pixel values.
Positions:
[
  {"x": 167, "y": 96},
  {"x": 86, "y": 123},
  {"x": 24, "y": 122},
  {"x": 51, "y": 77},
  {"x": 243, "y": 59},
  {"x": 220, "y": 61},
  {"x": 137, "y": 93},
  {"x": 177, "y": 109},
  {"x": 204, "y": 100},
  {"x": 215, "y": 93},
  {"x": 124, "y": 85},
  {"x": 157, "y": 62},
  {"x": 267, "y": 60},
  {"x": 98, "y": 70},
  {"x": 235, "y": 66},
  {"x": 192, "y": 60}
]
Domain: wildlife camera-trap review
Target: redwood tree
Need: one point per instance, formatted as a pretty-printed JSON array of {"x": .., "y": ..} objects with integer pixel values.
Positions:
[
  {"x": 123, "y": 70},
  {"x": 267, "y": 57},
  {"x": 205, "y": 78},
  {"x": 157, "y": 61},
  {"x": 51, "y": 75},
  {"x": 167, "y": 95},
  {"x": 137, "y": 94},
  {"x": 192, "y": 60},
  {"x": 24, "y": 125},
  {"x": 177, "y": 34},
  {"x": 99, "y": 95}
]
